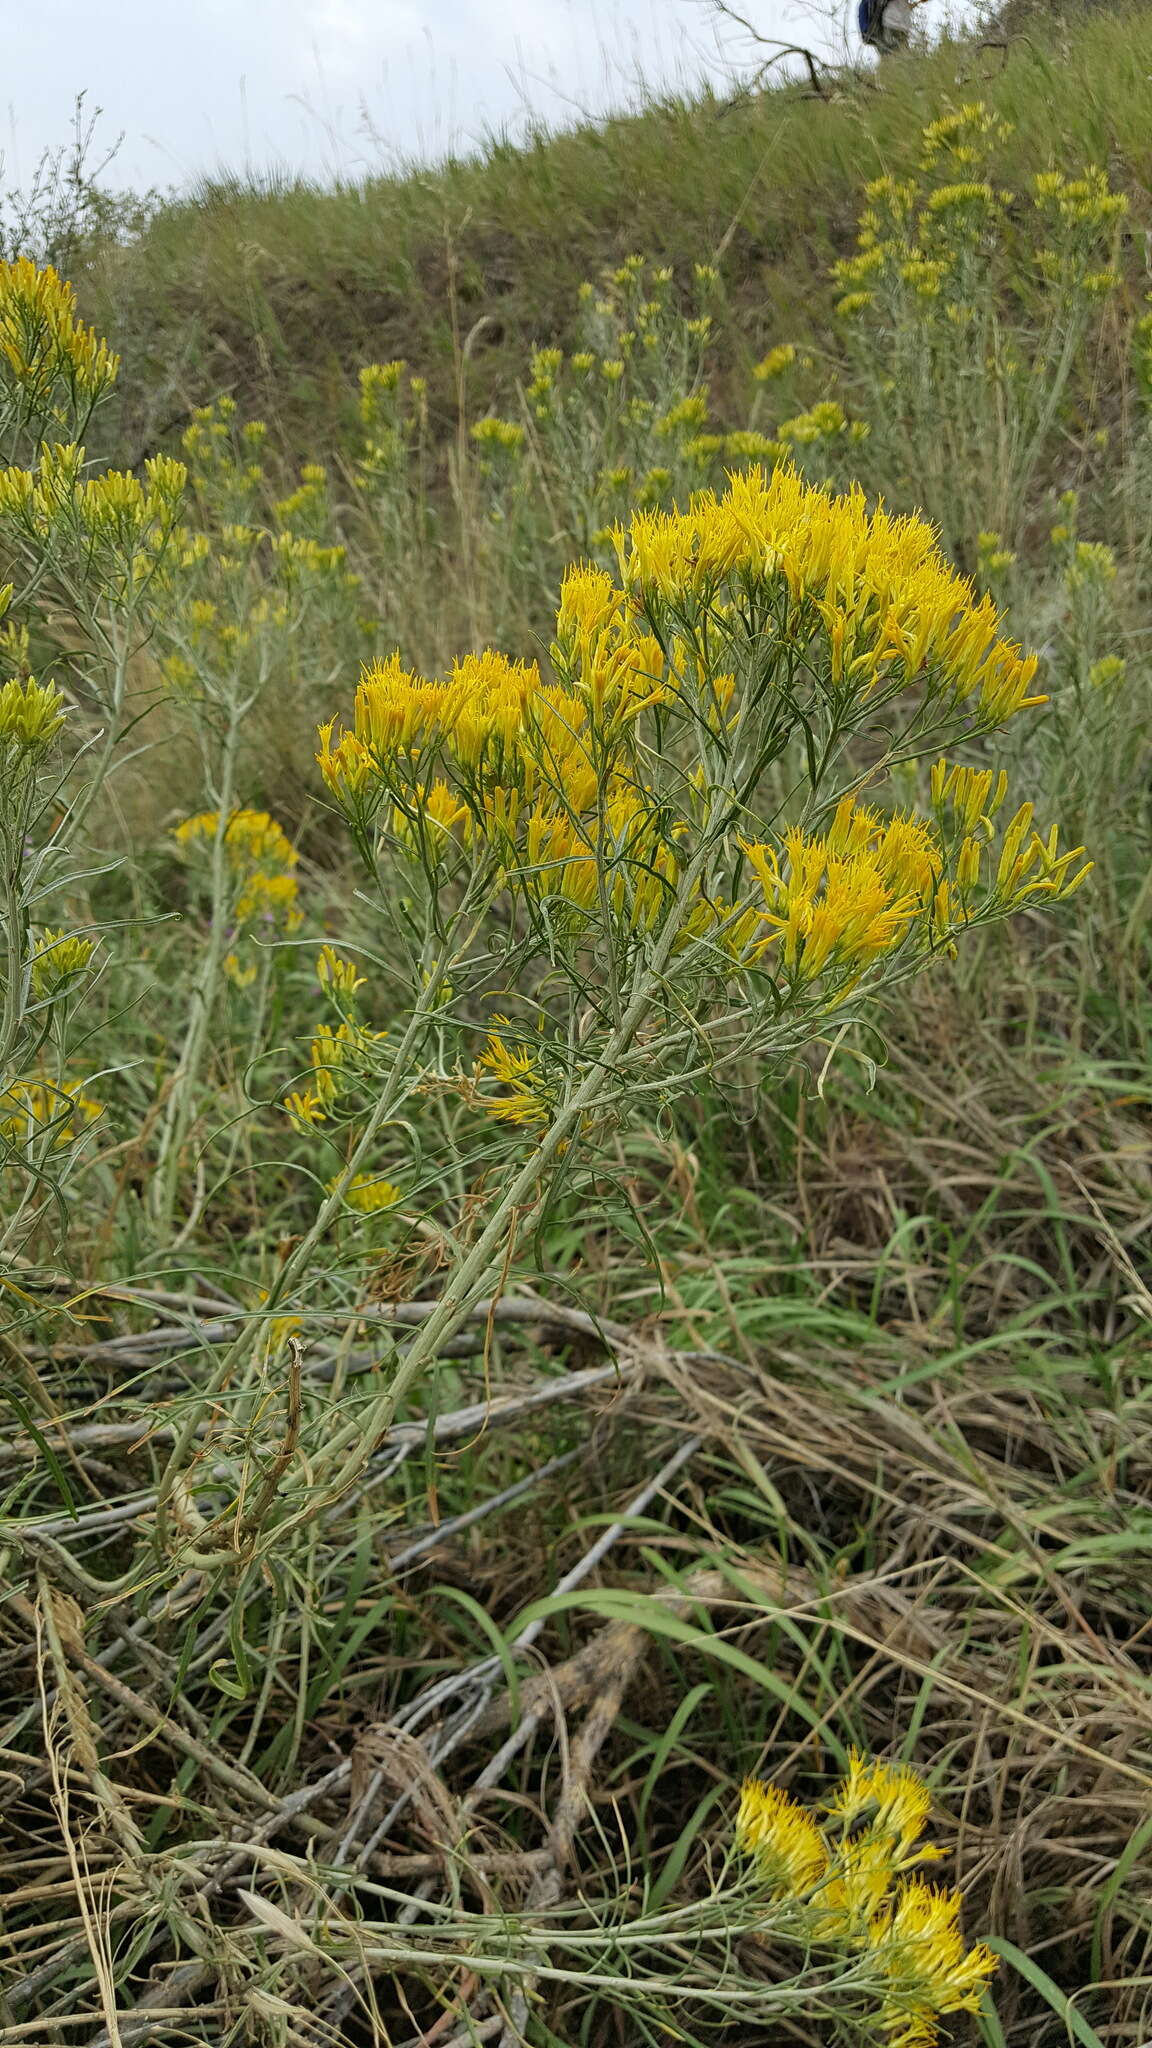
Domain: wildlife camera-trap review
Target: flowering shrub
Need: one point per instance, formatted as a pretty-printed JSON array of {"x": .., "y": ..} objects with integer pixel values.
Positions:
[
  {"x": 82, "y": 553},
  {"x": 675, "y": 854},
  {"x": 965, "y": 312}
]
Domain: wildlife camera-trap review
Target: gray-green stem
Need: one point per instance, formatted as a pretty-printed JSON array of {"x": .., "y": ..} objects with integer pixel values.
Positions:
[
  {"x": 388, "y": 1100},
  {"x": 487, "y": 1260},
  {"x": 180, "y": 1106}
]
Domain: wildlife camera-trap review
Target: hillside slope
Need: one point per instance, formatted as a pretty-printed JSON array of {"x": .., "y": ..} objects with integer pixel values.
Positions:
[{"x": 278, "y": 295}]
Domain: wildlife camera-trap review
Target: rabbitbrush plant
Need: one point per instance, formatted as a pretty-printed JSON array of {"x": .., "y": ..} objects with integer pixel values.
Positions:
[
  {"x": 81, "y": 553},
  {"x": 674, "y": 856},
  {"x": 754, "y": 790}
]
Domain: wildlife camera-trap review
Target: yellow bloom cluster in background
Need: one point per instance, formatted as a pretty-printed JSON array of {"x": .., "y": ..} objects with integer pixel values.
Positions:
[
  {"x": 845, "y": 1880},
  {"x": 933, "y": 237},
  {"x": 492, "y": 433},
  {"x": 961, "y": 135},
  {"x": 117, "y": 525},
  {"x": 36, "y": 1108},
  {"x": 51, "y": 359},
  {"x": 261, "y": 858},
  {"x": 1086, "y": 201},
  {"x": 393, "y": 413},
  {"x": 369, "y": 1194},
  {"x": 775, "y": 363},
  {"x": 823, "y": 422}
]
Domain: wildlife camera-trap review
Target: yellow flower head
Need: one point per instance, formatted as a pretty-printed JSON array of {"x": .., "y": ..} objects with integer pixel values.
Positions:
[
  {"x": 928, "y": 1972},
  {"x": 44, "y": 348},
  {"x": 369, "y": 1194},
  {"x": 783, "y": 1840},
  {"x": 589, "y": 603},
  {"x": 58, "y": 960},
  {"x": 241, "y": 973},
  {"x": 305, "y": 1108},
  {"x": 746, "y": 446},
  {"x": 841, "y": 899},
  {"x": 890, "y": 1801},
  {"x": 337, "y": 974},
  {"x": 514, "y": 1069},
  {"x": 892, "y": 607},
  {"x": 505, "y": 435},
  {"x": 37, "y": 1109},
  {"x": 689, "y": 414},
  {"x": 775, "y": 363},
  {"x": 31, "y": 714}
]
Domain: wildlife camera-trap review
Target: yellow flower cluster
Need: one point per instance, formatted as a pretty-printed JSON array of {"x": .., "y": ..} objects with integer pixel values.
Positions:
[
  {"x": 308, "y": 503},
  {"x": 825, "y": 422},
  {"x": 337, "y": 1058},
  {"x": 507, "y": 739},
  {"x": 297, "y": 555},
  {"x": 225, "y": 467},
  {"x": 690, "y": 413},
  {"x": 846, "y": 1881},
  {"x": 1025, "y": 865},
  {"x": 37, "y": 1108},
  {"x": 261, "y": 859},
  {"x": 377, "y": 381},
  {"x": 46, "y": 350},
  {"x": 58, "y": 960},
  {"x": 338, "y": 1054},
  {"x": 745, "y": 445},
  {"x": 941, "y": 241},
  {"x": 962, "y": 135},
  {"x": 1088, "y": 201},
  {"x": 775, "y": 363},
  {"x": 118, "y": 513},
  {"x": 31, "y": 715},
  {"x": 393, "y": 409},
  {"x": 336, "y": 975},
  {"x": 547, "y": 364},
  {"x": 994, "y": 557},
  {"x": 969, "y": 192},
  {"x": 515, "y": 1070},
  {"x": 891, "y": 607},
  {"x": 505, "y": 435},
  {"x": 1091, "y": 564},
  {"x": 369, "y": 1194},
  {"x": 557, "y": 785},
  {"x": 1109, "y": 671},
  {"x": 835, "y": 901}
]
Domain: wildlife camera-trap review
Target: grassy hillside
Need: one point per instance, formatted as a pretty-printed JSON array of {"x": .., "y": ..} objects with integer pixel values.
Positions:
[{"x": 279, "y": 296}]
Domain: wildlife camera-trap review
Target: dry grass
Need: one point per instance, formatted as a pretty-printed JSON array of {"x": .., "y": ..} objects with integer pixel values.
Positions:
[{"x": 873, "y": 1468}]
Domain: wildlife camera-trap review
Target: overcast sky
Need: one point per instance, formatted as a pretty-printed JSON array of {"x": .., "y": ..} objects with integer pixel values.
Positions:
[{"x": 344, "y": 85}]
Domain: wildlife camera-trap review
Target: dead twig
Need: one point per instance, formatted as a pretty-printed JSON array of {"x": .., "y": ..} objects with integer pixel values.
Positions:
[{"x": 813, "y": 64}]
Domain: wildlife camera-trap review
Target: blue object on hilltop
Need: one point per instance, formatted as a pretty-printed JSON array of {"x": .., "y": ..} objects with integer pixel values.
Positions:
[{"x": 884, "y": 24}]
